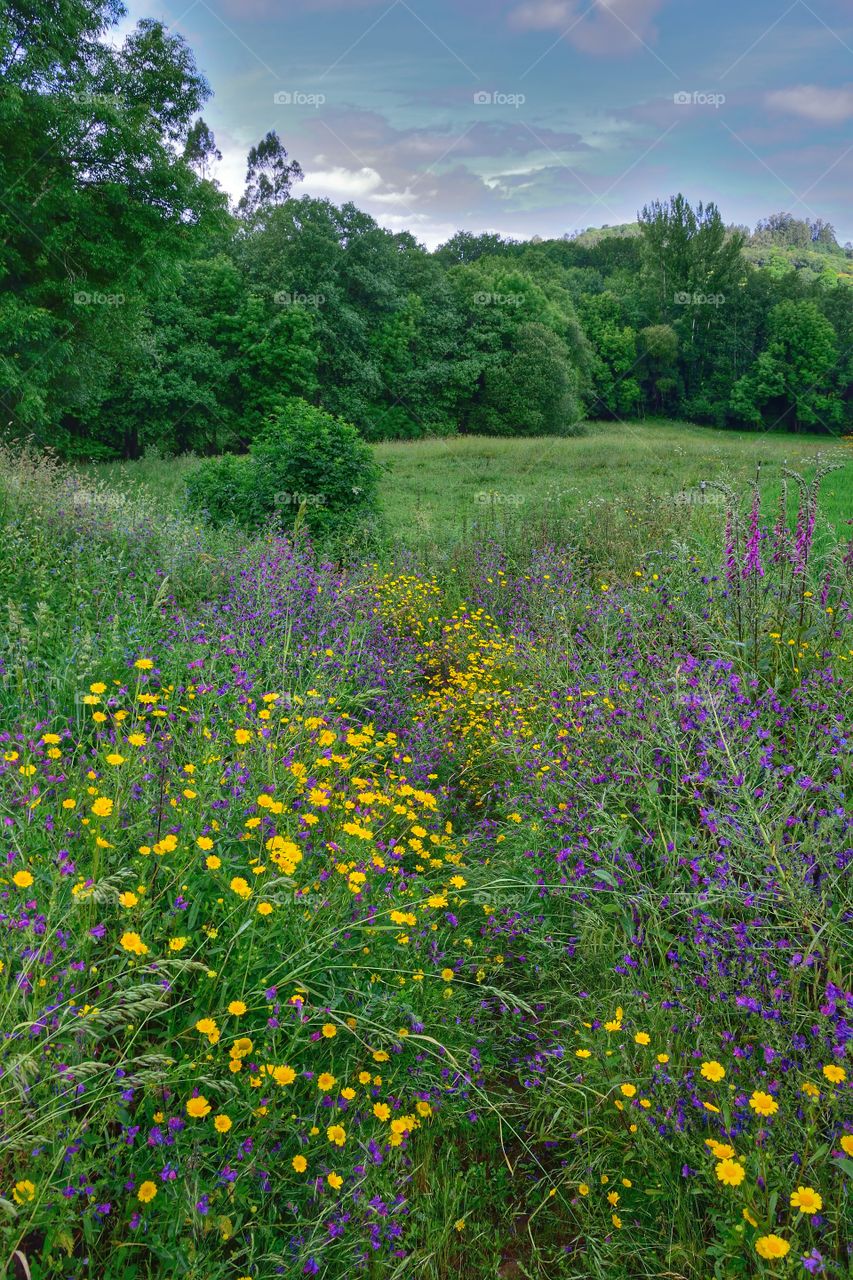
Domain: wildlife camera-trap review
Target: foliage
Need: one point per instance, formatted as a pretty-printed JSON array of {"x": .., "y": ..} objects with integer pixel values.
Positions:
[
  {"x": 305, "y": 464},
  {"x": 792, "y": 378}
]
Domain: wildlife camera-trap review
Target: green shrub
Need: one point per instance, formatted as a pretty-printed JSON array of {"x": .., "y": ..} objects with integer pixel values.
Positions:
[
  {"x": 308, "y": 460},
  {"x": 305, "y": 464},
  {"x": 221, "y": 489}
]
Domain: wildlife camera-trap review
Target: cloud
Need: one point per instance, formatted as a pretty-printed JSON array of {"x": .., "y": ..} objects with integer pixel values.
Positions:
[
  {"x": 605, "y": 27},
  {"x": 341, "y": 184},
  {"x": 813, "y": 102}
]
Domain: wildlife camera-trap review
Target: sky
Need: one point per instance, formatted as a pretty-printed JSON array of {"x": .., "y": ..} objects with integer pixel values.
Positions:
[{"x": 534, "y": 117}]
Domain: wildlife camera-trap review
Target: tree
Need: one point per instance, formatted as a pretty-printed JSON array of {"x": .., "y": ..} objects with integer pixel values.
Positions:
[
  {"x": 201, "y": 150},
  {"x": 791, "y": 381},
  {"x": 659, "y": 346},
  {"x": 615, "y": 387},
  {"x": 269, "y": 176},
  {"x": 533, "y": 392},
  {"x": 691, "y": 267},
  {"x": 98, "y": 202}
]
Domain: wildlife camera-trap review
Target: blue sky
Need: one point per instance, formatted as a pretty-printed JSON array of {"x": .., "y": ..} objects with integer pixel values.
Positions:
[{"x": 535, "y": 116}]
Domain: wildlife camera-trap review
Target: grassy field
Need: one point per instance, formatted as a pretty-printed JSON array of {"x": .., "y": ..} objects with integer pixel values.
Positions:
[{"x": 435, "y": 491}]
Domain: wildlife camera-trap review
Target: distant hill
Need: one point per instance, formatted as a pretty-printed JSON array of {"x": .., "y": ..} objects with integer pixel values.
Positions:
[{"x": 778, "y": 244}]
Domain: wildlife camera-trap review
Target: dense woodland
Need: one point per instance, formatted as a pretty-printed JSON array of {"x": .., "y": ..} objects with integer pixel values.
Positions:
[{"x": 139, "y": 310}]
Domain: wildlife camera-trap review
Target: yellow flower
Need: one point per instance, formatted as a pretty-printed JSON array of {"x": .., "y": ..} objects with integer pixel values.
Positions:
[
  {"x": 206, "y": 1026},
  {"x": 103, "y": 807},
  {"x": 712, "y": 1071},
  {"x": 763, "y": 1104},
  {"x": 132, "y": 942},
  {"x": 22, "y": 879},
  {"x": 847, "y": 1144},
  {"x": 335, "y": 1181},
  {"x": 642, "y": 1038},
  {"x": 835, "y": 1075},
  {"x": 23, "y": 1191},
  {"x": 747, "y": 1217},
  {"x": 807, "y": 1200},
  {"x": 326, "y": 1081},
  {"x": 730, "y": 1173},
  {"x": 222, "y": 1123},
  {"x": 239, "y": 886},
  {"x": 299, "y": 1163},
  {"x": 663, "y": 1058},
  {"x": 242, "y": 736},
  {"x": 582, "y": 1053},
  {"x": 336, "y": 1133},
  {"x": 283, "y": 1075},
  {"x": 128, "y": 899},
  {"x": 459, "y": 1224},
  {"x": 212, "y": 862},
  {"x": 616, "y": 1220},
  {"x": 628, "y": 1090},
  {"x": 143, "y": 664},
  {"x": 770, "y": 1247},
  {"x": 613, "y": 1198},
  {"x": 147, "y": 1192},
  {"x": 583, "y": 1189},
  {"x": 264, "y": 908},
  {"x": 721, "y": 1150},
  {"x": 447, "y": 975},
  {"x": 198, "y": 1107},
  {"x": 177, "y": 944},
  {"x": 237, "y": 1008},
  {"x": 205, "y": 843},
  {"x": 329, "y": 1030},
  {"x": 381, "y": 1110}
]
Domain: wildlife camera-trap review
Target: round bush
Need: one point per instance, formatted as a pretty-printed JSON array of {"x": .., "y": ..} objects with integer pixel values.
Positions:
[{"x": 310, "y": 461}]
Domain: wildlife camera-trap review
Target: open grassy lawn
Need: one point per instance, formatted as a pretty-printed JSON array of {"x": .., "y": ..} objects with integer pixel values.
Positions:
[
  {"x": 433, "y": 491},
  {"x": 434, "y": 487}
]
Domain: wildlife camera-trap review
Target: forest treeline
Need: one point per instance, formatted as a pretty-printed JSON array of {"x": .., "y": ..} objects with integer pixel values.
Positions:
[{"x": 139, "y": 309}]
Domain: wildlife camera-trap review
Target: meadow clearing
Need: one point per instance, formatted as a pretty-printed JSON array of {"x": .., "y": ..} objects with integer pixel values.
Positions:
[{"x": 476, "y": 907}]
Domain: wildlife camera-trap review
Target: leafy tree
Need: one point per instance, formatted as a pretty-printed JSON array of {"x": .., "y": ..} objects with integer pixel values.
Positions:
[
  {"x": 533, "y": 391},
  {"x": 791, "y": 382},
  {"x": 200, "y": 150},
  {"x": 98, "y": 205},
  {"x": 659, "y": 347},
  {"x": 269, "y": 176},
  {"x": 616, "y": 390}
]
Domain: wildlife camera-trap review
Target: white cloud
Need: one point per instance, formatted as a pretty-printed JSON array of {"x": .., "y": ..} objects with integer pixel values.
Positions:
[
  {"x": 813, "y": 102},
  {"x": 339, "y": 183},
  {"x": 605, "y": 27}
]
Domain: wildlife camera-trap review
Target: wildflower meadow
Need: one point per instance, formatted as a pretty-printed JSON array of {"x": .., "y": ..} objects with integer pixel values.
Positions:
[{"x": 488, "y": 918}]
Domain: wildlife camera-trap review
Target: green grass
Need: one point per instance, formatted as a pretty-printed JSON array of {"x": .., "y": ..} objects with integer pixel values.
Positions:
[
  {"x": 435, "y": 488},
  {"x": 436, "y": 491}
]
